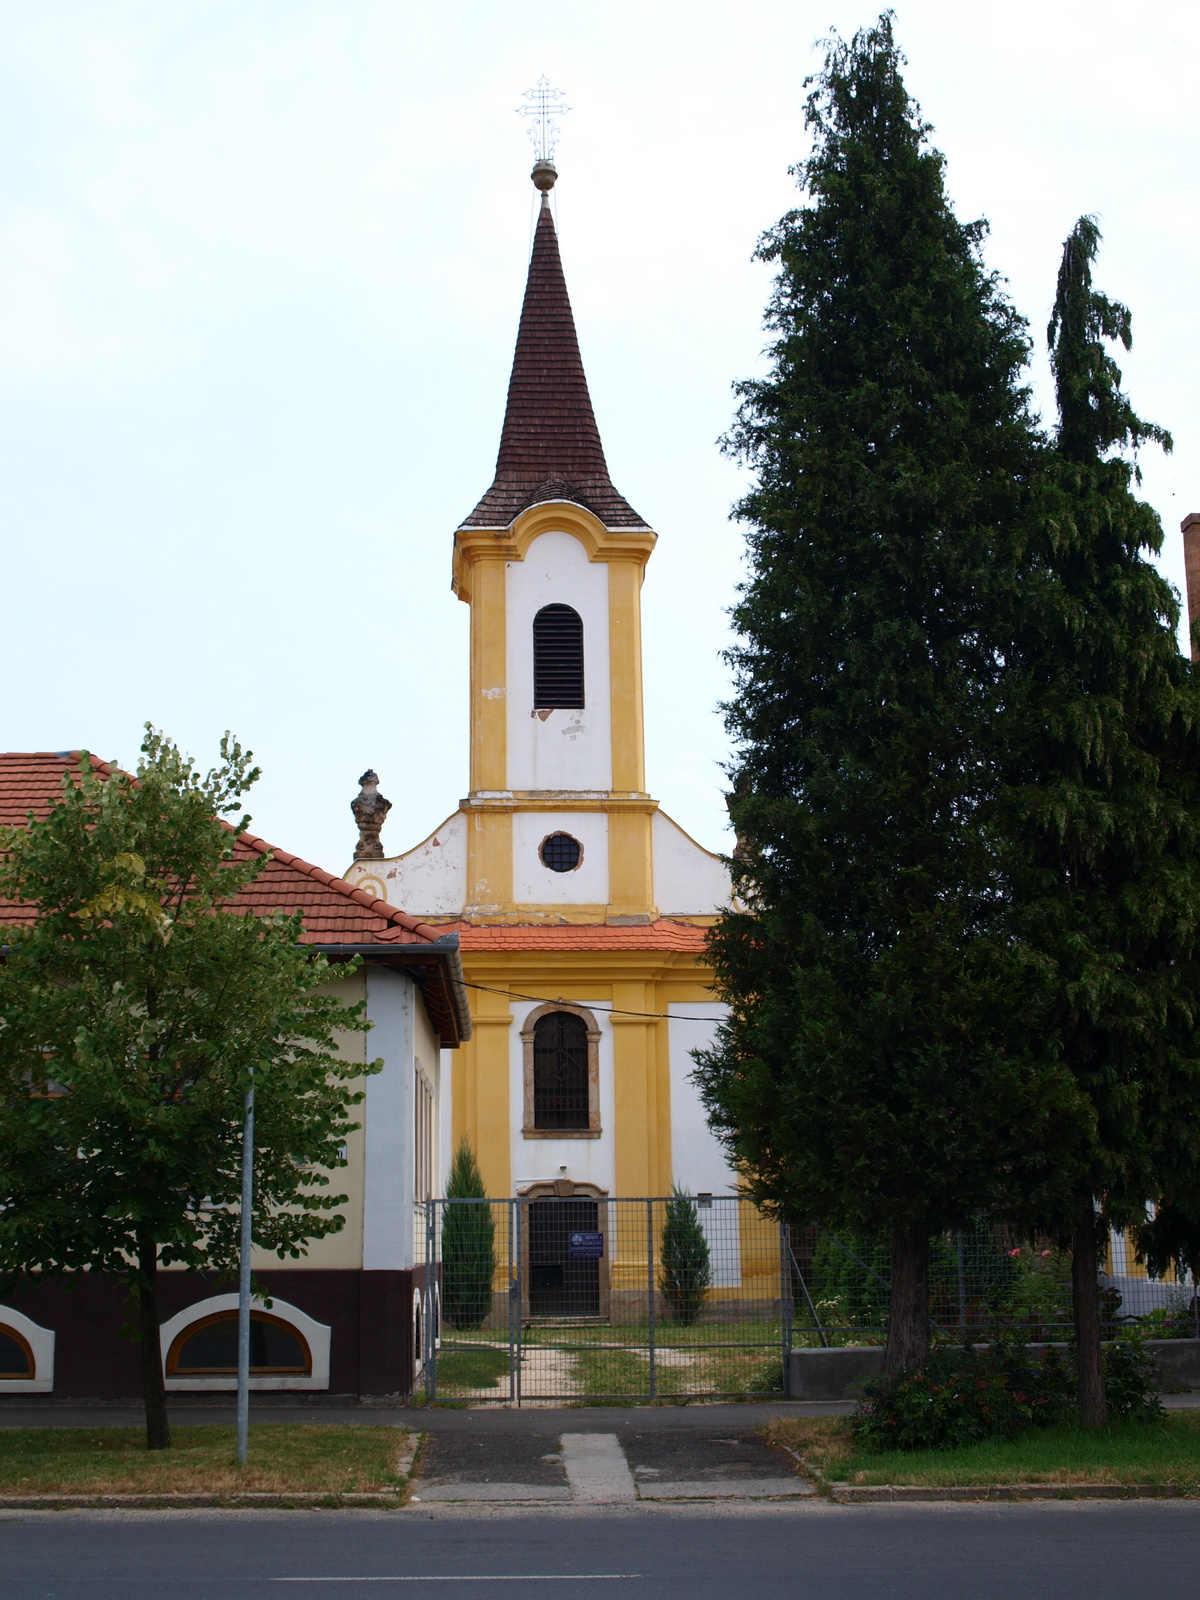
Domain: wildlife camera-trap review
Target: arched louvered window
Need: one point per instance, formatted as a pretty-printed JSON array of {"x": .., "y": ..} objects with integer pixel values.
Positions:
[
  {"x": 560, "y": 1071},
  {"x": 557, "y": 658}
]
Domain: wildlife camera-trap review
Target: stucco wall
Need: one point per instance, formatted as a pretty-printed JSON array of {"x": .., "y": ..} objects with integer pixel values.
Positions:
[
  {"x": 341, "y": 1250},
  {"x": 535, "y": 884},
  {"x": 698, "y": 1161},
  {"x": 688, "y": 880},
  {"x": 429, "y": 880},
  {"x": 566, "y": 749}
]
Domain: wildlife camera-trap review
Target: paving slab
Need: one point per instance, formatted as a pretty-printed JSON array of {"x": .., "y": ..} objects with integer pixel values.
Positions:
[
  {"x": 689, "y": 1455},
  {"x": 597, "y": 1469},
  {"x": 520, "y": 1458}
]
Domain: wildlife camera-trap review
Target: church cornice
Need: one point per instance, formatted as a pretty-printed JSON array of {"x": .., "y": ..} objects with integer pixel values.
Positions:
[{"x": 511, "y": 543}]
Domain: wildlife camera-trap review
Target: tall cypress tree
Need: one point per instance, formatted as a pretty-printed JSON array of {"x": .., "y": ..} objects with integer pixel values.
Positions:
[
  {"x": 871, "y": 1073},
  {"x": 1107, "y": 816}
]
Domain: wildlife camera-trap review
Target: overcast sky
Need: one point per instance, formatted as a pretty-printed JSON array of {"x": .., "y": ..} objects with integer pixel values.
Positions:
[{"x": 261, "y": 263}]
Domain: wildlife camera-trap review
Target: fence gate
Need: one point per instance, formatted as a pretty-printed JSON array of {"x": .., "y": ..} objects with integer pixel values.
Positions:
[{"x": 589, "y": 1298}]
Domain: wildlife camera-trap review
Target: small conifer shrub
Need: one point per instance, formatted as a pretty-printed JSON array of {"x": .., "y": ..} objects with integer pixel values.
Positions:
[
  {"x": 468, "y": 1244},
  {"x": 685, "y": 1275}
]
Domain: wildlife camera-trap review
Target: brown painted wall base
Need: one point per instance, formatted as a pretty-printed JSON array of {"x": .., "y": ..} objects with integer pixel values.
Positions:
[{"x": 370, "y": 1314}]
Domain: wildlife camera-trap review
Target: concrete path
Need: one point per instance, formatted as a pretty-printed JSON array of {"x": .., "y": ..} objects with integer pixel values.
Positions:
[
  {"x": 596, "y": 1468},
  {"x": 604, "y": 1469}
]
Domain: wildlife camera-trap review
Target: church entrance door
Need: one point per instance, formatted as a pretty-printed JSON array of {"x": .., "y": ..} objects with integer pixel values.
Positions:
[{"x": 564, "y": 1264}]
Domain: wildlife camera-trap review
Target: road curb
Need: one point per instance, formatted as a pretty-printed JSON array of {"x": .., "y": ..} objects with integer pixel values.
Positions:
[
  {"x": 160, "y": 1502},
  {"x": 874, "y": 1493}
]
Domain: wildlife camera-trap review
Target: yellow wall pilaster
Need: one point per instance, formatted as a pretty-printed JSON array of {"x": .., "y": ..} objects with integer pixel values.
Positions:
[
  {"x": 641, "y": 1080},
  {"x": 489, "y": 860},
  {"x": 630, "y": 863},
  {"x": 489, "y": 711},
  {"x": 481, "y": 1090},
  {"x": 625, "y": 655}
]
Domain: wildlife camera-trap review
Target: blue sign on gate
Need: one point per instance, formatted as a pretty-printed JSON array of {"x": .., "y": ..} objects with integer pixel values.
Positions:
[{"x": 585, "y": 1246}]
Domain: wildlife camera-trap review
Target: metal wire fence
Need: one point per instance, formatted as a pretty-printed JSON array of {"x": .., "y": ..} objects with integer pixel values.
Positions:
[
  {"x": 551, "y": 1297},
  {"x": 576, "y": 1297},
  {"x": 982, "y": 1281}
]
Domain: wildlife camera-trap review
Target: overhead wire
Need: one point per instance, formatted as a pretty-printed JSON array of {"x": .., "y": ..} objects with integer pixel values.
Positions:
[{"x": 620, "y": 1011}]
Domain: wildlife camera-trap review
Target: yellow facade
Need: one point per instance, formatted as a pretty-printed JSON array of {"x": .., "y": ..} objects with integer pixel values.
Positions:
[{"x": 639, "y": 986}]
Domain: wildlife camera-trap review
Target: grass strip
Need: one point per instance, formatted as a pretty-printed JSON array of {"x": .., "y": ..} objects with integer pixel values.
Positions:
[
  {"x": 1128, "y": 1453},
  {"x": 283, "y": 1456}
]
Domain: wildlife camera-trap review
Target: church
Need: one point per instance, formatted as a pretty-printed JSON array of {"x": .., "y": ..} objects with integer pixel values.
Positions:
[{"x": 579, "y": 906}]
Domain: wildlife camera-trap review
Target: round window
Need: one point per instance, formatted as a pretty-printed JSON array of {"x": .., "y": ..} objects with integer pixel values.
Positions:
[{"x": 561, "y": 853}]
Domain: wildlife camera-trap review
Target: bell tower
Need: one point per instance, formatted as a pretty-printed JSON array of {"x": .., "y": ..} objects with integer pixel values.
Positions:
[
  {"x": 551, "y": 563},
  {"x": 579, "y": 907}
]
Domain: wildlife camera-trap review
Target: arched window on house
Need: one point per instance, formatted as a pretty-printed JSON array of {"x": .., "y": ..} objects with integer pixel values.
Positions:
[
  {"x": 557, "y": 659},
  {"x": 560, "y": 1071},
  {"x": 16, "y": 1356},
  {"x": 208, "y": 1348}
]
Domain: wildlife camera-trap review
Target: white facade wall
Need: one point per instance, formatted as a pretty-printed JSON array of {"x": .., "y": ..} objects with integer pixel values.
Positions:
[
  {"x": 429, "y": 880},
  {"x": 387, "y": 1117},
  {"x": 698, "y": 1161},
  {"x": 535, "y": 884},
  {"x": 565, "y": 749},
  {"x": 688, "y": 880}
]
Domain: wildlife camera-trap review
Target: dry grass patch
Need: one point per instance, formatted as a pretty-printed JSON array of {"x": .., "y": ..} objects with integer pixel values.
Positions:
[
  {"x": 1123, "y": 1453},
  {"x": 283, "y": 1457}
]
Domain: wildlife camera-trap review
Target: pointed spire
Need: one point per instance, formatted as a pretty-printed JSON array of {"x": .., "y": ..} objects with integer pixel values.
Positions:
[{"x": 550, "y": 446}]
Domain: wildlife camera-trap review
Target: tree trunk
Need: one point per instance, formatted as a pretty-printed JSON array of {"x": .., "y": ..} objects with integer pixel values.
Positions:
[
  {"x": 908, "y": 1324},
  {"x": 154, "y": 1392},
  {"x": 1085, "y": 1294}
]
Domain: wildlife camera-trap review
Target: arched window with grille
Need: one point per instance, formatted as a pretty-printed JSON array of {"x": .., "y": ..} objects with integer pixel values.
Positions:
[
  {"x": 560, "y": 1071},
  {"x": 557, "y": 659}
]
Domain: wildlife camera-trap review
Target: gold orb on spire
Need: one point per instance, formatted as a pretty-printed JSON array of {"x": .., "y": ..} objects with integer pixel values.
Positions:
[{"x": 543, "y": 175}]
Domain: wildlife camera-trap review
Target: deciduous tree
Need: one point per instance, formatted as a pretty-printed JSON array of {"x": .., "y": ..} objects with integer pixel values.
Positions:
[{"x": 135, "y": 1007}]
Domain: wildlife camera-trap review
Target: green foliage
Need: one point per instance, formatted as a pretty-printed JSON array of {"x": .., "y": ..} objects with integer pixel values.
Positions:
[
  {"x": 685, "y": 1270},
  {"x": 879, "y": 1066},
  {"x": 1103, "y": 803},
  {"x": 849, "y": 1281},
  {"x": 967, "y": 1394},
  {"x": 964, "y": 1395},
  {"x": 468, "y": 1244},
  {"x": 134, "y": 1009},
  {"x": 1131, "y": 1380}
]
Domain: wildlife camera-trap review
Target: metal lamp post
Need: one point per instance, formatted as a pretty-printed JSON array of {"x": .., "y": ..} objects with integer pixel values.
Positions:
[{"x": 243, "y": 1367}]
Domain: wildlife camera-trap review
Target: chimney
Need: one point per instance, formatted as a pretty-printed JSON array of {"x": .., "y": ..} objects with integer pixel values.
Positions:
[
  {"x": 370, "y": 808},
  {"x": 1190, "y": 527}
]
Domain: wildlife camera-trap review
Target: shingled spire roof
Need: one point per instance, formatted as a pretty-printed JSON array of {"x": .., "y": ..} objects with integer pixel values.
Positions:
[{"x": 550, "y": 446}]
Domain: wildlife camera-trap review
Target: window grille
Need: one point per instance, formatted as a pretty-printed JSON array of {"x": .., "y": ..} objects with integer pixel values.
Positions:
[
  {"x": 557, "y": 659},
  {"x": 560, "y": 1071},
  {"x": 560, "y": 852}
]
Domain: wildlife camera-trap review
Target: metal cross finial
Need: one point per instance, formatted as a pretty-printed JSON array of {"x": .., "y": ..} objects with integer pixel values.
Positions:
[{"x": 544, "y": 105}]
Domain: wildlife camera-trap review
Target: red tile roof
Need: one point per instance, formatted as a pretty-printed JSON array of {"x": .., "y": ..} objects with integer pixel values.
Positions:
[
  {"x": 682, "y": 938},
  {"x": 335, "y": 912},
  {"x": 550, "y": 445}
]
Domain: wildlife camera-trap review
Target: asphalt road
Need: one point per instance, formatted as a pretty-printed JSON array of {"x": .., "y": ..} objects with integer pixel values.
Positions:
[{"x": 1068, "y": 1551}]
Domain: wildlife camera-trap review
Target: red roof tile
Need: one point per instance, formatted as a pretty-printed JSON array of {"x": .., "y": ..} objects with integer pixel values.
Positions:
[
  {"x": 335, "y": 912},
  {"x": 550, "y": 445}
]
